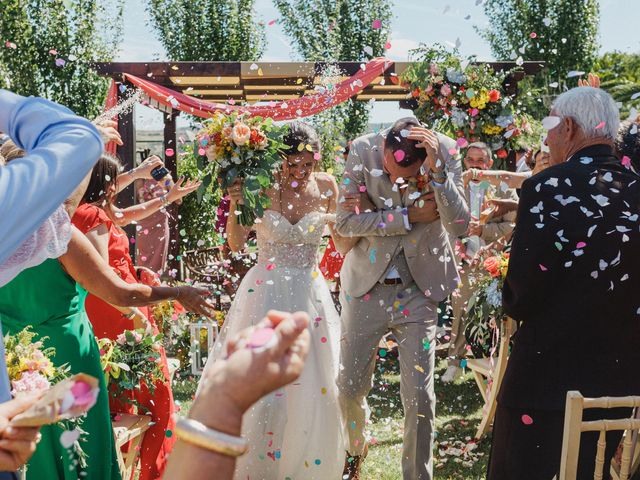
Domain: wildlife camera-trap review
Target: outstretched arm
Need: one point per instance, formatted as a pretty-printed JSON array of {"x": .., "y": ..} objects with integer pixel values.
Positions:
[{"x": 85, "y": 265}]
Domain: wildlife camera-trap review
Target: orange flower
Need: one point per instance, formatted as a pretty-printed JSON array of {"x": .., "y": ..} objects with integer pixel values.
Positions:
[
  {"x": 502, "y": 153},
  {"x": 240, "y": 134},
  {"x": 492, "y": 265},
  {"x": 494, "y": 95},
  {"x": 416, "y": 93}
]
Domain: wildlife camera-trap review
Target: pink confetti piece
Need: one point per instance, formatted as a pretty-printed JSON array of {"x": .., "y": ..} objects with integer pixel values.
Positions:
[
  {"x": 453, "y": 151},
  {"x": 201, "y": 151},
  {"x": 399, "y": 155},
  {"x": 271, "y": 266},
  {"x": 377, "y": 24},
  {"x": 387, "y": 46},
  {"x": 533, "y": 34},
  {"x": 527, "y": 420},
  {"x": 272, "y": 22},
  {"x": 53, "y": 51},
  {"x": 542, "y": 267},
  {"x": 317, "y": 156},
  {"x": 600, "y": 125},
  {"x": 10, "y": 45},
  {"x": 581, "y": 245},
  {"x": 261, "y": 337},
  {"x": 362, "y": 188},
  {"x": 357, "y": 210},
  {"x": 323, "y": 339},
  {"x": 60, "y": 62},
  {"x": 169, "y": 152},
  {"x": 626, "y": 161},
  {"x": 390, "y": 217},
  {"x": 366, "y": 297}
]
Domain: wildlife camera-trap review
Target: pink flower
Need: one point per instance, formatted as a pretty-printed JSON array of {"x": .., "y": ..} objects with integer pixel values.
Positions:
[
  {"x": 240, "y": 134},
  {"x": 433, "y": 69},
  {"x": 121, "y": 339},
  {"x": 84, "y": 396},
  {"x": 137, "y": 337},
  {"x": 30, "y": 382},
  {"x": 445, "y": 90}
]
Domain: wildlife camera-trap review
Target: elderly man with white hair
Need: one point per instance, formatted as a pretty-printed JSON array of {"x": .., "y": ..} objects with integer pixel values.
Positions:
[{"x": 573, "y": 283}]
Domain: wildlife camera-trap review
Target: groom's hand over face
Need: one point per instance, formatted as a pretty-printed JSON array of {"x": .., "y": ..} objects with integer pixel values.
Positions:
[{"x": 424, "y": 210}]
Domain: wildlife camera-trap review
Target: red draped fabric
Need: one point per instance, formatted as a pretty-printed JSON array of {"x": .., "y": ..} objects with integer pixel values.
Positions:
[
  {"x": 282, "y": 110},
  {"x": 110, "y": 102}
]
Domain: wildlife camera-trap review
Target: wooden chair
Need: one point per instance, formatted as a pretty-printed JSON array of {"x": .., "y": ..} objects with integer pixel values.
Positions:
[
  {"x": 129, "y": 428},
  {"x": 574, "y": 426},
  {"x": 215, "y": 265},
  {"x": 489, "y": 378}
]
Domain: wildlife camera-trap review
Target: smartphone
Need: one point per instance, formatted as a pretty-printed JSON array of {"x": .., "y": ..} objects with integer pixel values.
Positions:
[{"x": 159, "y": 173}]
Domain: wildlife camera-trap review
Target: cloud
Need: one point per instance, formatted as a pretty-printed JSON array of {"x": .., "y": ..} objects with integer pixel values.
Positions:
[{"x": 400, "y": 48}]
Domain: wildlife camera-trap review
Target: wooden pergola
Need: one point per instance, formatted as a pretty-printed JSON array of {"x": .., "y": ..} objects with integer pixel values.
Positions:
[{"x": 252, "y": 82}]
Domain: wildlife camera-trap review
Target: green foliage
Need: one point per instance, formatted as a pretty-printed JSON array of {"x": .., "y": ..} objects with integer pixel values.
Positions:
[
  {"x": 198, "y": 212},
  {"x": 76, "y": 32},
  {"x": 562, "y": 33},
  {"x": 207, "y": 30},
  {"x": 620, "y": 76},
  {"x": 342, "y": 30}
]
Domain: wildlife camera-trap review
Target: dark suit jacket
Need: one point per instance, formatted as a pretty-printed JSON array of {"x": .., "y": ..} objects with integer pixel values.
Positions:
[{"x": 574, "y": 284}]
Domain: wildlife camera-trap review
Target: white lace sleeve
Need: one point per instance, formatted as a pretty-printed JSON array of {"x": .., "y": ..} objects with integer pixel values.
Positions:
[{"x": 50, "y": 240}]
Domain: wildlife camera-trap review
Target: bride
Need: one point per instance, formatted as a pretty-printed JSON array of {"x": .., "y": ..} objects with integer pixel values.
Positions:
[{"x": 297, "y": 432}]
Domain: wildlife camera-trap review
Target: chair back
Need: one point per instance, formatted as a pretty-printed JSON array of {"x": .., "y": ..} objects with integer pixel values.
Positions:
[{"x": 574, "y": 426}]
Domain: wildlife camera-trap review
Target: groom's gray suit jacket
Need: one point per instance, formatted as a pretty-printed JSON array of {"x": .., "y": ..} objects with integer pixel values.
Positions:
[{"x": 426, "y": 247}]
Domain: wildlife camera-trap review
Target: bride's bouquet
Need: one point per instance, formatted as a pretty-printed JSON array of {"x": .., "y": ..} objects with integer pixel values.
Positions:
[
  {"x": 246, "y": 148},
  {"x": 484, "y": 309}
]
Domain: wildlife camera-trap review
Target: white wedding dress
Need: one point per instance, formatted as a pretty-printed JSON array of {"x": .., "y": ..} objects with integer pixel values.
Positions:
[{"x": 297, "y": 432}]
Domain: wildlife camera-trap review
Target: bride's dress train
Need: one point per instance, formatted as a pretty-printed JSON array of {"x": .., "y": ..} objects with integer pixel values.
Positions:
[{"x": 297, "y": 432}]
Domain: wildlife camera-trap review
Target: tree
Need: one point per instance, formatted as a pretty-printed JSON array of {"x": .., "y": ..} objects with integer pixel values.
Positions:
[
  {"x": 562, "y": 33},
  {"x": 338, "y": 30},
  {"x": 620, "y": 76},
  {"x": 208, "y": 30},
  {"x": 49, "y": 46}
]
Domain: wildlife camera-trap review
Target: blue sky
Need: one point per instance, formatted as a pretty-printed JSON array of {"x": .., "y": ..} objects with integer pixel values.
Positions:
[{"x": 415, "y": 21}]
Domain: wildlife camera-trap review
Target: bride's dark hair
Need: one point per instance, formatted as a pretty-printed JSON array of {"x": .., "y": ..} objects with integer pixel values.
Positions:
[{"x": 301, "y": 133}]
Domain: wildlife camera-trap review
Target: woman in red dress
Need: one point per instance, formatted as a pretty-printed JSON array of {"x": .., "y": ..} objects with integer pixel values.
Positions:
[{"x": 97, "y": 218}]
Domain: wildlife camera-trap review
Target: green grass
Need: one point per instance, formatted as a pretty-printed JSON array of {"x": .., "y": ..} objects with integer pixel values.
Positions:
[{"x": 458, "y": 413}]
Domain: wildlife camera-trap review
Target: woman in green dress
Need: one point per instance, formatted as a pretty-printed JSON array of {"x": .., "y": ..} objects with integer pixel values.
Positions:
[
  {"x": 50, "y": 299},
  {"x": 46, "y": 298}
]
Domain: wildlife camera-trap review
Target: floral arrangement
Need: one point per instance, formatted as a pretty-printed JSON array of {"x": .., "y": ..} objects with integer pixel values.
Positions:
[
  {"x": 466, "y": 100},
  {"x": 29, "y": 364},
  {"x": 484, "y": 309},
  {"x": 249, "y": 148},
  {"x": 31, "y": 370},
  {"x": 176, "y": 333},
  {"x": 132, "y": 360}
]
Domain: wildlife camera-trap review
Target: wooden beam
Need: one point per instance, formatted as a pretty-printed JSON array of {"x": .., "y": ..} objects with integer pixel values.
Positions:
[
  {"x": 127, "y": 154},
  {"x": 171, "y": 163}
]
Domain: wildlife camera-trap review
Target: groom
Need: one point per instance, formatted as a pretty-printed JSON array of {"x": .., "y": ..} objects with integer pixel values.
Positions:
[{"x": 394, "y": 277}]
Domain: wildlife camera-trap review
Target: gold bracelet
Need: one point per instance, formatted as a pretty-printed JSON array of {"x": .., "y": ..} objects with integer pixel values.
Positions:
[{"x": 198, "y": 434}]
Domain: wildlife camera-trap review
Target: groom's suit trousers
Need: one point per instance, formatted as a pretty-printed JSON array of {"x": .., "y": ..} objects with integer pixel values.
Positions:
[{"x": 412, "y": 317}]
